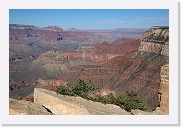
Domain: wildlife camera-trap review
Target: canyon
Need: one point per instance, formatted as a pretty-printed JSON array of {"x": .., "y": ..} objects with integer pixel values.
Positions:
[{"x": 113, "y": 60}]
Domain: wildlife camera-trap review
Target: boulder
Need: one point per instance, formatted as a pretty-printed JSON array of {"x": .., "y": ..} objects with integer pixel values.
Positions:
[
  {"x": 70, "y": 105},
  {"x": 57, "y": 104}
]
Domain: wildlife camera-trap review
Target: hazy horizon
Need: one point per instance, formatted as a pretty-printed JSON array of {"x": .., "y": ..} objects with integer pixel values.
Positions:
[{"x": 80, "y": 29}]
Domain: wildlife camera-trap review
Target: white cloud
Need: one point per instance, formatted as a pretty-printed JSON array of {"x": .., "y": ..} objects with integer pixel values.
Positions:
[{"x": 135, "y": 20}]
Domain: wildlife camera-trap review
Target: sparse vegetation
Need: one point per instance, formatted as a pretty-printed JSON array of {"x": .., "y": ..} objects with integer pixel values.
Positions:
[
  {"x": 128, "y": 100},
  {"x": 82, "y": 89}
]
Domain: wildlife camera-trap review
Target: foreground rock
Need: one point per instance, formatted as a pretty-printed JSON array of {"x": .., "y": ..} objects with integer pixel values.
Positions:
[
  {"x": 69, "y": 105},
  {"x": 26, "y": 108}
]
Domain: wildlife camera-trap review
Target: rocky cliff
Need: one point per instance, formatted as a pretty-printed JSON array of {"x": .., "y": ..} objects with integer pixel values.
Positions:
[{"x": 156, "y": 40}]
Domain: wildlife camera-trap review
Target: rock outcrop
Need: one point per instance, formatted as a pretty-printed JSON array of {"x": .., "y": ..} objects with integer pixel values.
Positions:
[
  {"x": 70, "y": 105},
  {"x": 26, "y": 108},
  {"x": 156, "y": 40}
]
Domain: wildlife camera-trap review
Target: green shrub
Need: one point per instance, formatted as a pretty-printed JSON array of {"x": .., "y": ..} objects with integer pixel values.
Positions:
[
  {"x": 128, "y": 100},
  {"x": 131, "y": 100},
  {"x": 81, "y": 88},
  {"x": 66, "y": 90}
]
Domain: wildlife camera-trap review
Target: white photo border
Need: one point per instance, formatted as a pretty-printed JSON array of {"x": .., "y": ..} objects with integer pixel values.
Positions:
[{"x": 171, "y": 119}]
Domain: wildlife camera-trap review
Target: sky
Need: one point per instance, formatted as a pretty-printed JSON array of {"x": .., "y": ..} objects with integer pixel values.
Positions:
[{"x": 90, "y": 18}]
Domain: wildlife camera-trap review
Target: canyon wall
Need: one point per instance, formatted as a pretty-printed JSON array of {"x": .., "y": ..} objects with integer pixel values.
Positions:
[
  {"x": 140, "y": 71},
  {"x": 143, "y": 71}
]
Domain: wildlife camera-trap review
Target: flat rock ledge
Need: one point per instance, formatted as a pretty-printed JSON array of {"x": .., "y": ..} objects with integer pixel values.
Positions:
[{"x": 70, "y": 105}]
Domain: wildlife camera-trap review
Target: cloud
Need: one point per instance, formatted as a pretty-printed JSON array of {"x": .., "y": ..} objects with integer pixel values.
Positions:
[
  {"x": 153, "y": 18},
  {"x": 135, "y": 20}
]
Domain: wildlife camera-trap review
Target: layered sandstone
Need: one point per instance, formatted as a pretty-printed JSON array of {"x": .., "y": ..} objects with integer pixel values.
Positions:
[
  {"x": 156, "y": 40},
  {"x": 55, "y": 64}
]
